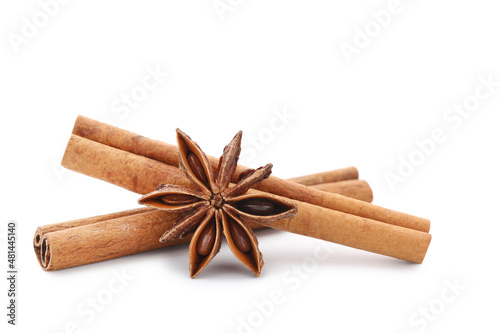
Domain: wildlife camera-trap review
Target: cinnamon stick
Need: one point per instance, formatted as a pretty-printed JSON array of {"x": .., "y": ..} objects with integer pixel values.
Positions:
[
  {"x": 166, "y": 154},
  {"x": 357, "y": 232},
  {"x": 354, "y": 188},
  {"x": 339, "y": 175},
  {"x": 141, "y": 174},
  {"x": 99, "y": 238}
]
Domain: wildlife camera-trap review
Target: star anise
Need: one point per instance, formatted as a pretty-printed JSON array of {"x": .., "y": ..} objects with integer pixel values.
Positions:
[{"x": 214, "y": 206}]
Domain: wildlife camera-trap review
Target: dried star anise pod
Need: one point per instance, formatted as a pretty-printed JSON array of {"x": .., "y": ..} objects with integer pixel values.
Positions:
[{"x": 214, "y": 206}]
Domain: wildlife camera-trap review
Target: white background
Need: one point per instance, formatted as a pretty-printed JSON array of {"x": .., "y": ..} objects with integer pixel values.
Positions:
[{"x": 233, "y": 71}]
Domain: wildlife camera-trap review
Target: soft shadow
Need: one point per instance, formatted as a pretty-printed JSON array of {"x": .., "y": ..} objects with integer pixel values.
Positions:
[
  {"x": 265, "y": 232},
  {"x": 340, "y": 257},
  {"x": 225, "y": 270},
  {"x": 175, "y": 259}
]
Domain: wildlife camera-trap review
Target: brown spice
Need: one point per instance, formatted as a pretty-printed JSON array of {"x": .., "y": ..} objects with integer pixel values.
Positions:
[{"x": 214, "y": 208}]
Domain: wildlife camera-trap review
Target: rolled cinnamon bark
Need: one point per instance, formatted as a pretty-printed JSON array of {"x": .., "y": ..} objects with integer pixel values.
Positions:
[
  {"x": 354, "y": 188},
  {"x": 344, "y": 174},
  {"x": 104, "y": 237},
  {"x": 42, "y": 230},
  {"x": 167, "y": 154},
  {"x": 358, "y": 232},
  {"x": 142, "y": 174},
  {"x": 99, "y": 238},
  {"x": 133, "y": 172}
]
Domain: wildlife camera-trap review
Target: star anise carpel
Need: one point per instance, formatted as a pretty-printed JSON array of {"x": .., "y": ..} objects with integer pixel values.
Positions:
[{"x": 213, "y": 206}]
